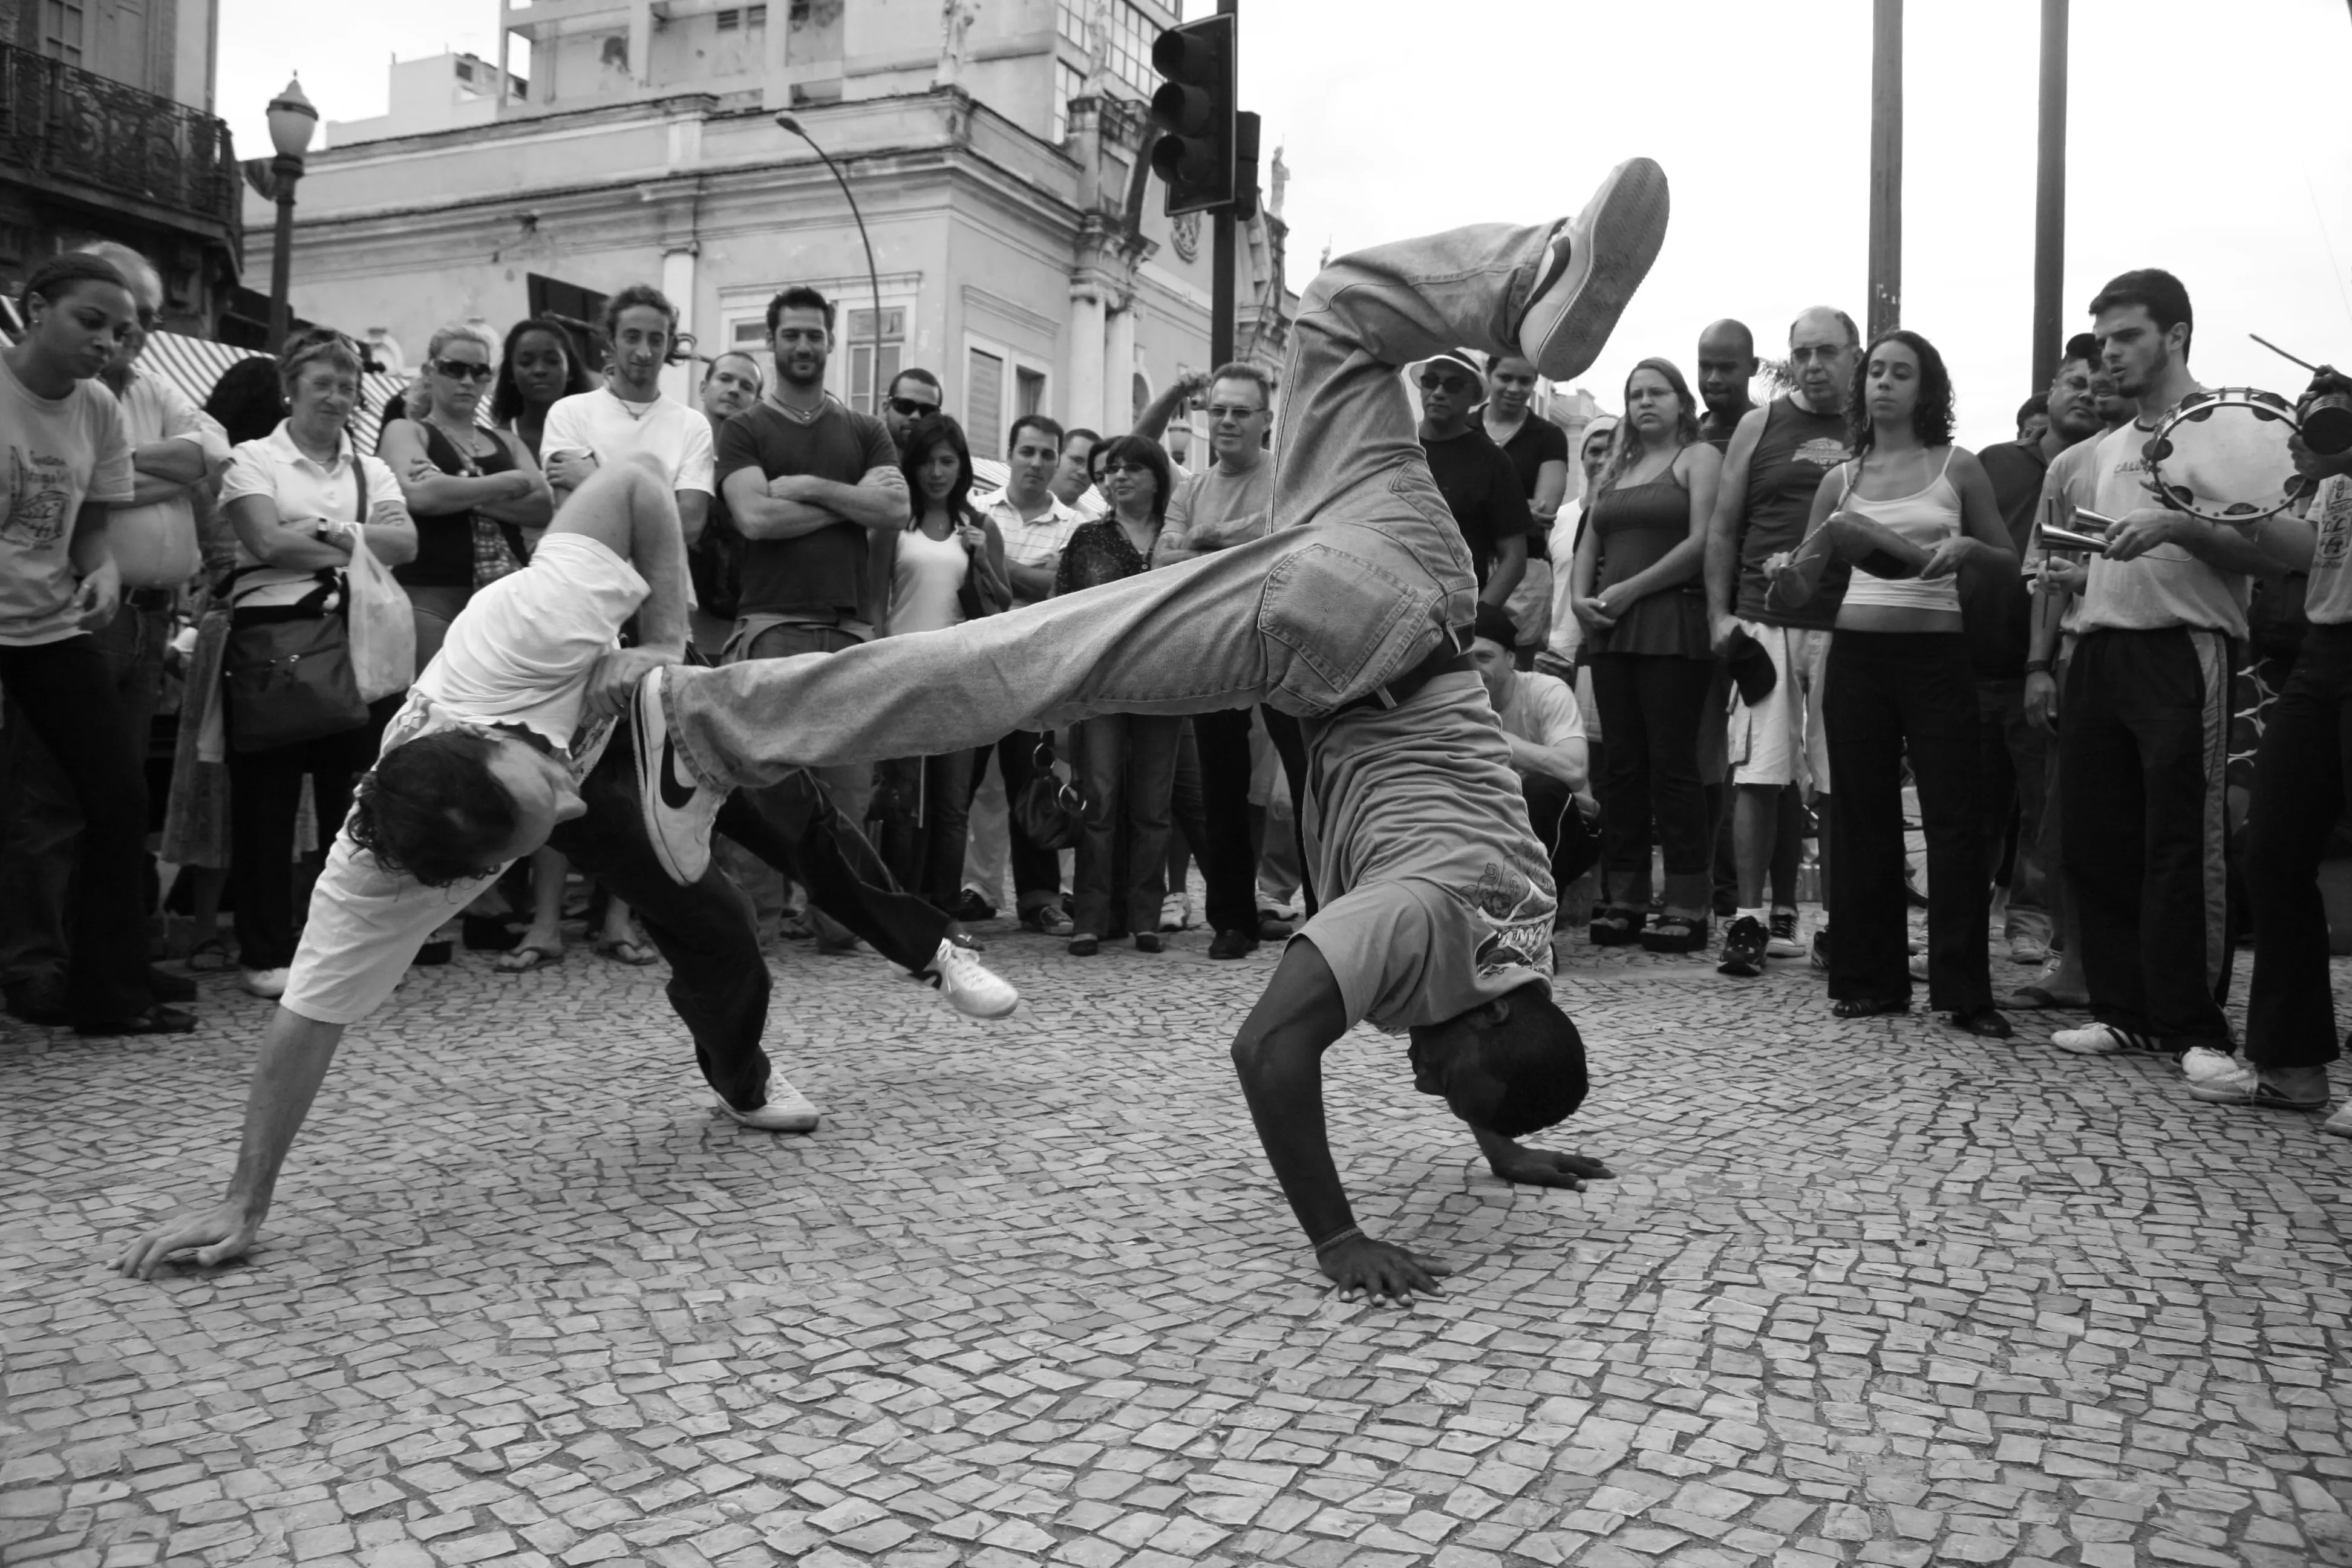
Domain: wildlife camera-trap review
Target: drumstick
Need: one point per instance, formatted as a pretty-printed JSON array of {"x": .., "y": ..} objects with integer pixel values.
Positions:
[{"x": 2282, "y": 354}]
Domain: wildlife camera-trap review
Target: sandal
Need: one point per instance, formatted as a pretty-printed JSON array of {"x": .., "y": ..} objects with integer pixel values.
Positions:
[
  {"x": 1867, "y": 1007},
  {"x": 1675, "y": 933},
  {"x": 528, "y": 957},
  {"x": 628, "y": 951},
  {"x": 210, "y": 956},
  {"x": 1616, "y": 925}
]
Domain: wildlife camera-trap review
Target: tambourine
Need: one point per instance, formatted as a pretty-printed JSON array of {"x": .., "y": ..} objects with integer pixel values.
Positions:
[{"x": 2222, "y": 456}]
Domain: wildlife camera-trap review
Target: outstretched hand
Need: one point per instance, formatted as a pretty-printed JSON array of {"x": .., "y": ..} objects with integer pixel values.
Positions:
[
  {"x": 1378, "y": 1272},
  {"x": 616, "y": 678},
  {"x": 219, "y": 1234},
  {"x": 1528, "y": 1167}
]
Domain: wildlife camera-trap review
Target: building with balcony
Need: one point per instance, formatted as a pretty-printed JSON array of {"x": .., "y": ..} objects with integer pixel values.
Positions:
[
  {"x": 106, "y": 132},
  {"x": 996, "y": 151}
]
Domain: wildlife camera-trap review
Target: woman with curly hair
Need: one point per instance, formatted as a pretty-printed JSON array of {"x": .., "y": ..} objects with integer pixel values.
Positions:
[
  {"x": 1899, "y": 683},
  {"x": 537, "y": 367}
]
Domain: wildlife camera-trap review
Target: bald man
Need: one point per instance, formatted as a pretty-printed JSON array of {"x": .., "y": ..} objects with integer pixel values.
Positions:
[
  {"x": 1778, "y": 456},
  {"x": 1727, "y": 365}
]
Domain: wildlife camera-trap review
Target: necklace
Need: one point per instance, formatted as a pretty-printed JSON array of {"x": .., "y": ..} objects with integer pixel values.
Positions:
[
  {"x": 636, "y": 411},
  {"x": 468, "y": 442}
]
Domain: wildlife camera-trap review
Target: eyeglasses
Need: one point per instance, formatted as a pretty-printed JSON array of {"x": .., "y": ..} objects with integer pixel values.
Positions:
[
  {"x": 147, "y": 319},
  {"x": 1124, "y": 465},
  {"x": 462, "y": 370},
  {"x": 911, "y": 409},
  {"x": 1220, "y": 413},
  {"x": 1444, "y": 383}
]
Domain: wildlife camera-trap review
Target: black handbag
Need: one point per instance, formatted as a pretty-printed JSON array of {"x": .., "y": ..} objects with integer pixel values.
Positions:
[
  {"x": 1048, "y": 811},
  {"x": 287, "y": 668}
]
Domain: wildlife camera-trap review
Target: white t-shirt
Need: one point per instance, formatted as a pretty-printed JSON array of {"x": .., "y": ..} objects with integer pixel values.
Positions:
[
  {"x": 2327, "y": 596},
  {"x": 601, "y": 424},
  {"x": 1541, "y": 710},
  {"x": 2165, "y": 587},
  {"x": 307, "y": 495},
  {"x": 61, "y": 453},
  {"x": 155, "y": 545},
  {"x": 519, "y": 653},
  {"x": 925, "y": 577}
]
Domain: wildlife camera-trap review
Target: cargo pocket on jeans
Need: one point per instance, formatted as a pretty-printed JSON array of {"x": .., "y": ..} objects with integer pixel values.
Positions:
[{"x": 1345, "y": 624}]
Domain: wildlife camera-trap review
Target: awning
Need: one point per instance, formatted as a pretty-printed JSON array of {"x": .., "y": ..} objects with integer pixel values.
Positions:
[{"x": 194, "y": 365}]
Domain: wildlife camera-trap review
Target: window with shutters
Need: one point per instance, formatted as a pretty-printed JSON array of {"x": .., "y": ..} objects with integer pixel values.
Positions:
[
  {"x": 62, "y": 30},
  {"x": 864, "y": 390},
  {"x": 983, "y": 404}
]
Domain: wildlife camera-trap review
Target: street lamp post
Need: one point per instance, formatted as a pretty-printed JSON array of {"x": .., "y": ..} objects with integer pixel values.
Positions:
[
  {"x": 293, "y": 120},
  {"x": 791, "y": 122}
]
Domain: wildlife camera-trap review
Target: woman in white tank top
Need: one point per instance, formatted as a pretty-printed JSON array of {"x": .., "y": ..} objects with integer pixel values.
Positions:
[
  {"x": 1899, "y": 685},
  {"x": 943, "y": 569}
]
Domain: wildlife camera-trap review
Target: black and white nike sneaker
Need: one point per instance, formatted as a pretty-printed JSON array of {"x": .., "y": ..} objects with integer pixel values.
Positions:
[{"x": 678, "y": 809}]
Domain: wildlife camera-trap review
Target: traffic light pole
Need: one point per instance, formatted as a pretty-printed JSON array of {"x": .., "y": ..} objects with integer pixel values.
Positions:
[{"x": 1221, "y": 231}]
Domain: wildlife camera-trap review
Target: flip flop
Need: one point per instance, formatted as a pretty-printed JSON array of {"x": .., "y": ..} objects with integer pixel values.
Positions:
[
  {"x": 622, "y": 950},
  {"x": 210, "y": 956},
  {"x": 527, "y": 957}
]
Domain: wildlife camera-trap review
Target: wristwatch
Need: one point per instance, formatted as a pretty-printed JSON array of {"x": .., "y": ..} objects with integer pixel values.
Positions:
[{"x": 2037, "y": 667}]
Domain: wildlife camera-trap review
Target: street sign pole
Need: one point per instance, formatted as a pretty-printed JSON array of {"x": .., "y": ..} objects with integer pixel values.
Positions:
[
  {"x": 2050, "y": 198},
  {"x": 1886, "y": 166}
]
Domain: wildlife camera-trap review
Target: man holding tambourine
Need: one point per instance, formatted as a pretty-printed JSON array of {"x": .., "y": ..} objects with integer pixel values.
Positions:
[
  {"x": 2300, "y": 774},
  {"x": 2148, "y": 690}
]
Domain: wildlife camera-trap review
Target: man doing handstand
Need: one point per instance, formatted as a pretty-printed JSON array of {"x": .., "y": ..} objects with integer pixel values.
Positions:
[{"x": 1353, "y": 614}]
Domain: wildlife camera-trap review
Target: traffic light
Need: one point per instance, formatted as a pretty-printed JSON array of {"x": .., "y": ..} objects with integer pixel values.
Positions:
[
  {"x": 1245, "y": 190},
  {"x": 1195, "y": 107}
]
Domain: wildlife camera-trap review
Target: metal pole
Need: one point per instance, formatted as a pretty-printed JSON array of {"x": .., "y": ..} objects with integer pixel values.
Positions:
[
  {"x": 283, "y": 171},
  {"x": 2050, "y": 198},
  {"x": 873, "y": 275},
  {"x": 1221, "y": 231},
  {"x": 1885, "y": 165}
]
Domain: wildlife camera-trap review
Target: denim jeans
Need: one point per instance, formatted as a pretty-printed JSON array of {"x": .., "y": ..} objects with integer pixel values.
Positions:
[
  {"x": 67, "y": 696},
  {"x": 1363, "y": 575},
  {"x": 1037, "y": 873},
  {"x": 922, "y": 839},
  {"x": 41, "y": 827},
  {"x": 1127, "y": 772}
]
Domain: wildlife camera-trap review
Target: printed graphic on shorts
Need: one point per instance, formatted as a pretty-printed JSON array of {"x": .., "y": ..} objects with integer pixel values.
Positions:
[
  {"x": 1518, "y": 909},
  {"x": 39, "y": 486},
  {"x": 1821, "y": 452}
]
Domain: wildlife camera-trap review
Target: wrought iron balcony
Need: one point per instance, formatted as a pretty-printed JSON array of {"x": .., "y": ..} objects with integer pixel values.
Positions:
[{"x": 74, "y": 132}]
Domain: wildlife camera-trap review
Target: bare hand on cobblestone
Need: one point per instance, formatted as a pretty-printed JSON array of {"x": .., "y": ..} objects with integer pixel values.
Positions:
[
  {"x": 220, "y": 1234},
  {"x": 1380, "y": 1272},
  {"x": 1526, "y": 1167}
]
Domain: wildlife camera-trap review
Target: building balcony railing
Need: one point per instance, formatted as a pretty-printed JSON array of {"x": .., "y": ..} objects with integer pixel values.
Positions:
[{"x": 63, "y": 126}]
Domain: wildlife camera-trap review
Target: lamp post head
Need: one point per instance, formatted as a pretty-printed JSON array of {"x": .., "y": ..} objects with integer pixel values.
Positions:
[
  {"x": 293, "y": 120},
  {"x": 791, "y": 121}
]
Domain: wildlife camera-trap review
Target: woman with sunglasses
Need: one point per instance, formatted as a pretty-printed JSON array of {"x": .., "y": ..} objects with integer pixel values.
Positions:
[
  {"x": 1635, "y": 587},
  {"x": 1126, "y": 762},
  {"x": 471, "y": 492}
]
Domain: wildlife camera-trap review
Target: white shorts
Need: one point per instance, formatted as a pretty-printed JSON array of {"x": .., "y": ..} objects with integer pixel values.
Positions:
[{"x": 1782, "y": 740}]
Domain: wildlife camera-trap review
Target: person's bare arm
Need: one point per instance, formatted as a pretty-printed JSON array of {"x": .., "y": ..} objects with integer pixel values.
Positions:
[
  {"x": 693, "y": 511},
  {"x": 1279, "y": 1056},
  {"x": 91, "y": 555},
  {"x": 1570, "y": 762},
  {"x": 180, "y": 462},
  {"x": 1551, "y": 488},
  {"x": 1510, "y": 565},
  {"x": 1033, "y": 583},
  {"x": 1796, "y": 574},
  {"x": 1582, "y": 572},
  {"x": 792, "y": 505},
  {"x": 1983, "y": 541},
  {"x": 1152, "y": 423},
  {"x": 264, "y": 533},
  {"x": 426, "y": 488},
  {"x": 536, "y": 504},
  {"x": 2224, "y": 548},
  {"x": 295, "y": 1055},
  {"x": 1722, "y": 561},
  {"x": 630, "y": 510}
]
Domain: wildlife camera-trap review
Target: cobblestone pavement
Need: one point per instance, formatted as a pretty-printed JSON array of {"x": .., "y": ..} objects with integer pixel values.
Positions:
[{"x": 1862, "y": 1293}]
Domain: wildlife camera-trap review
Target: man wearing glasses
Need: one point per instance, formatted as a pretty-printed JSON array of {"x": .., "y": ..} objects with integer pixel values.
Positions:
[
  {"x": 1480, "y": 486},
  {"x": 914, "y": 396},
  {"x": 176, "y": 446},
  {"x": 1230, "y": 504}
]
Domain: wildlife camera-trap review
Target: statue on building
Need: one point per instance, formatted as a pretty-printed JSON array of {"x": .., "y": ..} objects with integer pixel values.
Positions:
[
  {"x": 1280, "y": 176},
  {"x": 956, "y": 18}
]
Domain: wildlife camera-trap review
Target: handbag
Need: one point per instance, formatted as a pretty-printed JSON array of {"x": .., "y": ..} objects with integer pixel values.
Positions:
[
  {"x": 976, "y": 600},
  {"x": 1048, "y": 810},
  {"x": 287, "y": 668}
]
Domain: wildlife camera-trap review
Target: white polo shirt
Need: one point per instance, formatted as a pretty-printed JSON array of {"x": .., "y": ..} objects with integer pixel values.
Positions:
[
  {"x": 154, "y": 546},
  {"x": 307, "y": 494},
  {"x": 601, "y": 424},
  {"x": 1028, "y": 543}
]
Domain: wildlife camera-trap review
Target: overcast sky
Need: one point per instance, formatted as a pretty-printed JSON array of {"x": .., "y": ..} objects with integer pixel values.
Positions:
[{"x": 2206, "y": 136}]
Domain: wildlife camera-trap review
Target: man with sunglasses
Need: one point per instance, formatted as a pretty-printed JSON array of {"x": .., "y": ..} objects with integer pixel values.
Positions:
[
  {"x": 175, "y": 447},
  {"x": 1353, "y": 614},
  {"x": 1480, "y": 486},
  {"x": 914, "y": 397}
]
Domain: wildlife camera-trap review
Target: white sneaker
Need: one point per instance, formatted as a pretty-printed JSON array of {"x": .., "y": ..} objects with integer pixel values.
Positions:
[
  {"x": 1176, "y": 912},
  {"x": 2201, "y": 1064},
  {"x": 2028, "y": 950},
  {"x": 2103, "y": 1040},
  {"x": 1597, "y": 258},
  {"x": 678, "y": 809},
  {"x": 970, "y": 986},
  {"x": 1787, "y": 937},
  {"x": 2301, "y": 1089},
  {"x": 269, "y": 982},
  {"x": 787, "y": 1111},
  {"x": 2341, "y": 1123}
]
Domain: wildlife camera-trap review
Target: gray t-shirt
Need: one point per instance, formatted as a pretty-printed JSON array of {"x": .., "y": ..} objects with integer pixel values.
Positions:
[
  {"x": 2327, "y": 597},
  {"x": 1218, "y": 510},
  {"x": 1440, "y": 897}
]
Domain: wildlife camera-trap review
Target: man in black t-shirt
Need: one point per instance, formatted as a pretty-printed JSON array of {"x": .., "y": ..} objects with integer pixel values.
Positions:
[
  {"x": 1538, "y": 449},
  {"x": 1480, "y": 486},
  {"x": 1997, "y": 618}
]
